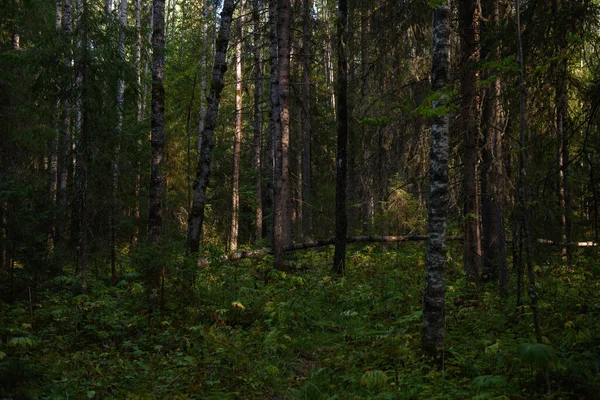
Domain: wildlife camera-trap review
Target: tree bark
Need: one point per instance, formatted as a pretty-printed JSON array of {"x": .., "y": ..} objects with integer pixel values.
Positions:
[
  {"x": 237, "y": 137},
  {"x": 469, "y": 116},
  {"x": 284, "y": 38},
  {"x": 281, "y": 214},
  {"x": 272, "y": 122},
  {"x": 561, "y": 112},
  {"x": 306, "y": 123},
  {"x": 494, "y": 253},
  {"x": 117, "y": 142},
  {"x": 157, "y": 184},
  {"x": 201, "y": 182},
  {"x": 81, "y": 173},
  {"x": 341, "y": 223},
  {"x": 433, "y": 297},
  {"x": 525, "y": 241},
  {"x": 257, "y": 142}
]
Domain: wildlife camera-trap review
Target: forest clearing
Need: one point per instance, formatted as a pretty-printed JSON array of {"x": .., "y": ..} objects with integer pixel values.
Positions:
[{"x": 299, "y": 199}]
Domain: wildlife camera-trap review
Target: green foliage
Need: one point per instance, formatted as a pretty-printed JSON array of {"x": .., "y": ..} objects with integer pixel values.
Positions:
[
  {"x": 437, "y": 104},
  {"x": 536, "y": 354}
]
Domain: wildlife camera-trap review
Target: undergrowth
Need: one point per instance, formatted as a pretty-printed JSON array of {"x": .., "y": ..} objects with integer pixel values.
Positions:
[{"x": 244, "y": 331}]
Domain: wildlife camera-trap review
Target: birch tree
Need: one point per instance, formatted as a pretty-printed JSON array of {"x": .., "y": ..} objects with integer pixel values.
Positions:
[
  {"x": 196, "y": 218},
  {"x": 257, "y": 142},
  {"x": 433, "y": 296}
]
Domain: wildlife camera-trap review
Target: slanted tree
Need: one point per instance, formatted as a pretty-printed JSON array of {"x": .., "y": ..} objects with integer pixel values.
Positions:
[
  {"x": 433, "y": 296},
  {"x": 196, "y": 218}
]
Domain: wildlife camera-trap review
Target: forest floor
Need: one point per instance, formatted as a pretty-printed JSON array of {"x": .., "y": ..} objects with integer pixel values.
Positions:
[{"x": 244, "y": 331}]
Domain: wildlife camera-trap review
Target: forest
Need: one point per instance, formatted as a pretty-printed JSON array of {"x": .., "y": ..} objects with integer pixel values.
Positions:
[{"x": 299, "y": 199}]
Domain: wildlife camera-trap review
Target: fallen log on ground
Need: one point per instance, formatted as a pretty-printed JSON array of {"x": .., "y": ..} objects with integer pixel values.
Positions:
[
  {"x": 320, "y": 243},
  {"x": 571, "y": 244}
]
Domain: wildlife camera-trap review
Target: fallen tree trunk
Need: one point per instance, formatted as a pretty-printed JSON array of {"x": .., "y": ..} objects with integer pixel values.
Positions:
[
  {"x": 571, "y": 244},
  {"x": 320, "y": 243}
]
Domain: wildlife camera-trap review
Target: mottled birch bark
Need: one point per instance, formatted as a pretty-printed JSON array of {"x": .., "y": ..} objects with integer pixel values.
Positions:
[
  {"x": 204, "y": 73},
  {"x": 273, "y": 121},
  {"x": 196, "y": 218},
  {"x": 433, "y": 297},
  {"x": 469, "y": 117},
  {"x": 117, "y": 142},
  {"x": 257, "y": 142},
  {"x": 341, "y": 223},
  {"x": 157, "y": 138},
  {"x": 306, "y": 122},
  {"x": 237, "y": 137}
]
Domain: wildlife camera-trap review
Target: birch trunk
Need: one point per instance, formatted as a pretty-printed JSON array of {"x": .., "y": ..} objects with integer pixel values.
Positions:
[
  {"x": 341, "y": 223},
  {"x": 256, "y": 143},
  {"x": 433, "y": 297},
  {"x": 237, "y": 138},
  {"x": 201, "y": 182},
  {"x": 202, "y": 115}
]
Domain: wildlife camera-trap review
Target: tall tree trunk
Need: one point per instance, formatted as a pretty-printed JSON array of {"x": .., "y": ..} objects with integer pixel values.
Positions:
[
  {"x": 281, "y": 214},
  {"x": 494, "y": 252},
  {"x": 237, "y": 138},
  {"x": 139, "y": 116},
  {"x": 117, "y": 143},
  {"x": 284, "y": 18},
  {"x": 273, "y": 120},
  {"x": 196, "y": 218},
  {"x": 257, "y": 143},
  {"x": 469, "y": 116},
  {"x": 306, "y": 122},
  {"x": 204, "y": 73},
  {"x": 83, "y": 147},
  {"x": 341, "y": 223},
  {"x": 561, "y": 112},
  {"x": 522, "y": 184},
  {"x": 433, "y": 297},
  {"x": 157, "y": 139}
]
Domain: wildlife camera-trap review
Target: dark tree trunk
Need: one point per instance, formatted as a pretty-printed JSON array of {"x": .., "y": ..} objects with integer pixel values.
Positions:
[
  {"x": 433, "y": 297},
  {"x": 341, "y": 223},
  {"x": 257, "y": 143},
  {"x": 281, "y": 215},
  {"x": 272, "y": 121},
  {"x": 306, "y": 123},
  {"x": 469, "y": 116},
  {"x": 196, "y": 218},
  {"x": 495, "y": 265},
  {"x": 237, "y": 137},
  {"x": 157, "y": 185}
]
